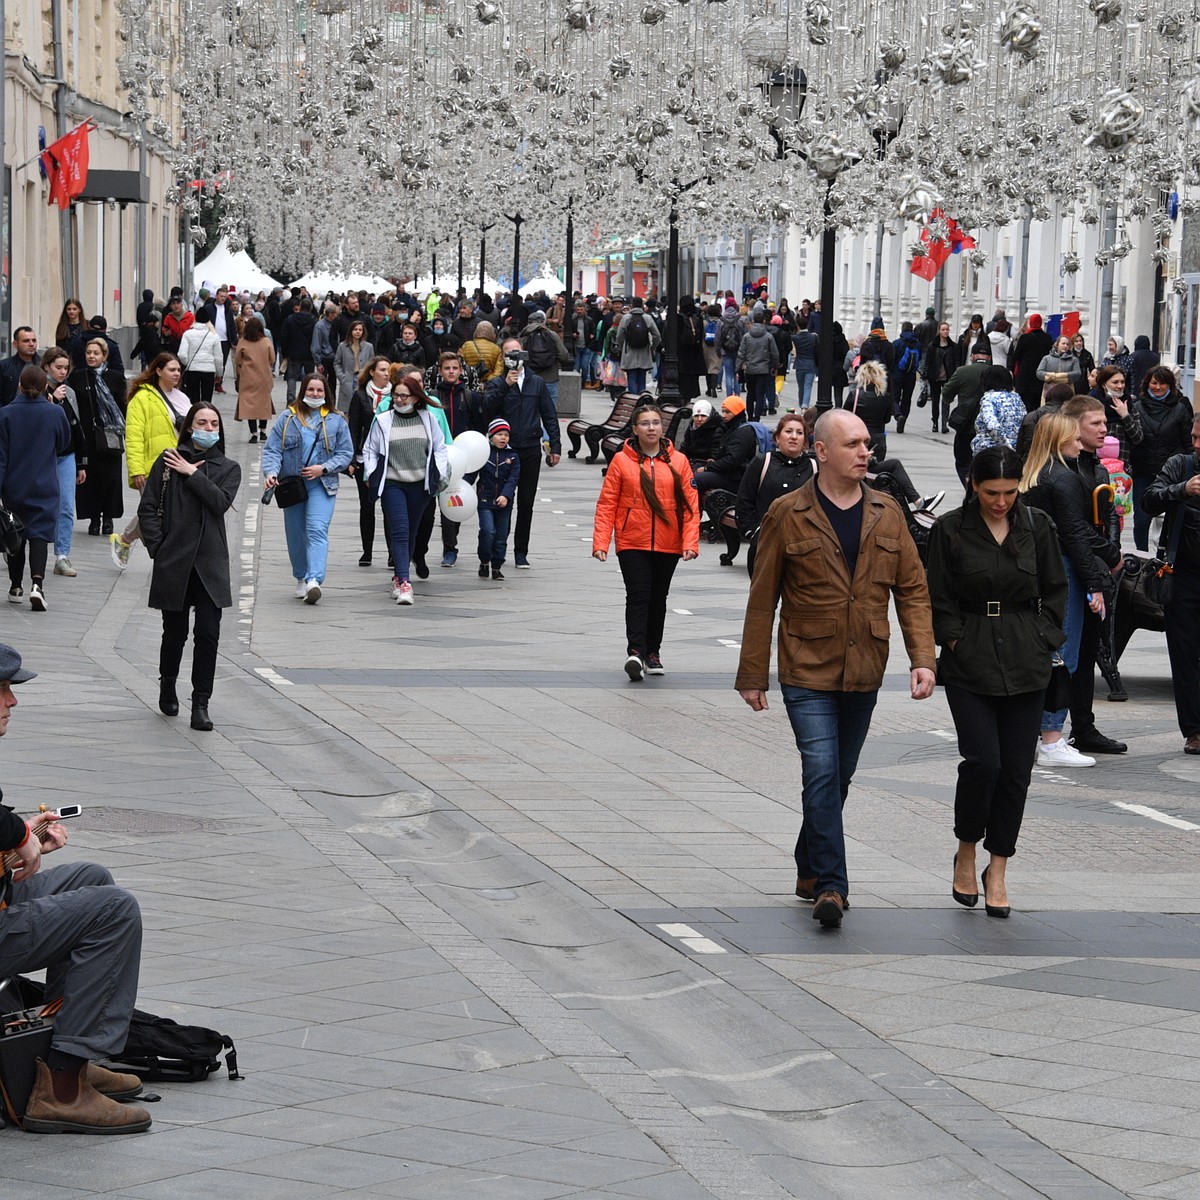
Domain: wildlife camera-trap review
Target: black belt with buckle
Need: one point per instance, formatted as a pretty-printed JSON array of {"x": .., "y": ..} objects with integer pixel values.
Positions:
[{"x": 999, "y": 608}]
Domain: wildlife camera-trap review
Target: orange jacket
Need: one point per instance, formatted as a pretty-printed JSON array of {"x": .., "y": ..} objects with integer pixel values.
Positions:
[{"x": 622, "y": 507}]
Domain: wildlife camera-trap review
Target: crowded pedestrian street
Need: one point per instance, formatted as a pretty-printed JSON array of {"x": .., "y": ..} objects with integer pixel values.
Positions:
[{"x": 484, "y": 917}]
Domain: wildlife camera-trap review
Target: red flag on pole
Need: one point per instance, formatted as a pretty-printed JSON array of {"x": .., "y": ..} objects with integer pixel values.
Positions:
[
  {"x": 927, "y": 266},
  {"x": 66, "y": 163}
]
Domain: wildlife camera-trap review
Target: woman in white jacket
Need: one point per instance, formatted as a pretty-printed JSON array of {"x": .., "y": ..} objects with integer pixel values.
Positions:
[
  {"x": 404, "y": 460},
  {"x": 202, "y": 361}
]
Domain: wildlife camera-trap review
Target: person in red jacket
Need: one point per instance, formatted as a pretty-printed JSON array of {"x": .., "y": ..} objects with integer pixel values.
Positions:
[{"x": 649, "y": 502}]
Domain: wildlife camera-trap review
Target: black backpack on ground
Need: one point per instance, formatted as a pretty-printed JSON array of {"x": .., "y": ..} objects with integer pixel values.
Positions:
[
  {"x": 637, "y": 335},
  {"x": 542, "y": 354}
]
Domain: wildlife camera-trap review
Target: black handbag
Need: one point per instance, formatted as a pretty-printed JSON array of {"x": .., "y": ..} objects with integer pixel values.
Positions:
[
  {"x": 963, "y": 416},
  {"x": 12, "y": 532},
  {"x": 290, "y": 490},
  {"x": 1058, "y": 690}
]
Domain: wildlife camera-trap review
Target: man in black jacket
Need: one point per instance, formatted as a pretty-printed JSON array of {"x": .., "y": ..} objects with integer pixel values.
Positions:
[
  {"x": 86, "y": 933},
  {"x": 295, "y": 345},
  {"x": 523, "y": 400},
  {"x": 1176, "y": 493},
  {"x": 1106, "y": 545},
  {"x": 25, "y": 348}
]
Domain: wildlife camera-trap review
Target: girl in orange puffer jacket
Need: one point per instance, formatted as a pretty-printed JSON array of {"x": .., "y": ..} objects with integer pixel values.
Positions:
[{"x": 649, "y": 502}]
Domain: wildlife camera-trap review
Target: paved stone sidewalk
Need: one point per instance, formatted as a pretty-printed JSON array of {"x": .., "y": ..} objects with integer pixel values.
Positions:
[{"x": 486, "y": 919}]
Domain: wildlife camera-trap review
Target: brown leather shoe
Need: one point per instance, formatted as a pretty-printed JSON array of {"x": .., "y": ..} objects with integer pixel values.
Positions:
[
  {"x": 806, "y": 889},
  {"x": 1192, "y": 745},
  {"x": 829, "y": 908},
  {"x": 116, "y": 1085},
  {"x": 89, "y": 1112}
]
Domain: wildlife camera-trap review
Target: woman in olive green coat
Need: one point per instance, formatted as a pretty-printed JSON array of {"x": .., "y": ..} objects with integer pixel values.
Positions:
[{"x": 998, "y": 590}]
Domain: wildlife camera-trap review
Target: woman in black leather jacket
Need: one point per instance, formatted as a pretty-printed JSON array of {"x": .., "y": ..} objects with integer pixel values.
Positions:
[{"x": 768, "y": 477}]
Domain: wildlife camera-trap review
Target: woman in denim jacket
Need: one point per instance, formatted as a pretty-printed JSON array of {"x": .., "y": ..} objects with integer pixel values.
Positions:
[{"x": 310, "y": 439}]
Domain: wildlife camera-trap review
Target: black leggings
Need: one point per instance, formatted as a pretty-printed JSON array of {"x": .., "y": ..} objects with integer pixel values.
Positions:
[
  {"x": 647, "y": 575},
  {"x": 205, "y": 639},
  {"x": 199, "y": 386},
  {"x": 38, "y": 553},
  {"x": 366, "y": 514},
  {"x": 997, "y": 738}
]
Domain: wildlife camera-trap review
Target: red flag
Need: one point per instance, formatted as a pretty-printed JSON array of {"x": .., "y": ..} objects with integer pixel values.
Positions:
[
  {"x": 1070, "y": 324},
  {"x": 927, "y": 266},
  {"x": 66, "y": 163}
]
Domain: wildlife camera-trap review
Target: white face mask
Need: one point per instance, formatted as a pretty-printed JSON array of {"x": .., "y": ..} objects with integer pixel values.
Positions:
[
  {"x": 405, "y": 408},
  {"x": 313, "y": 401}
]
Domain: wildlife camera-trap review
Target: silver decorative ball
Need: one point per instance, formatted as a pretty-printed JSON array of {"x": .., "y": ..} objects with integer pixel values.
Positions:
[{"x": 1118, "y": 122}]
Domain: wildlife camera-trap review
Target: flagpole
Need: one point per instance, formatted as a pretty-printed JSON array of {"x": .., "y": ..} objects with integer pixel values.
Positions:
[
  {"x": 66, "y": 240},
  {"x": 5, "y": 215}
]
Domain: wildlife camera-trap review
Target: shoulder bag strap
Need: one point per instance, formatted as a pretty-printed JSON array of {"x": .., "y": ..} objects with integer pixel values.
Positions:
[{"x": 197, "y": 349}]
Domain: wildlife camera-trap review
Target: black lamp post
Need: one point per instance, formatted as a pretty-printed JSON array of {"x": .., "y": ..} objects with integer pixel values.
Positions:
[
  {"x": 668, "y": 387},
  {"x": 483, "y": 255},
  {"x": 460, "y": 273},
  {"x": 569, "y": 311},
  {"x": 517, "y": 221}
]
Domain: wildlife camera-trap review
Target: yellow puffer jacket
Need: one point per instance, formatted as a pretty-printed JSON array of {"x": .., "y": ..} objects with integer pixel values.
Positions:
[{"x": 149, "y": 430}]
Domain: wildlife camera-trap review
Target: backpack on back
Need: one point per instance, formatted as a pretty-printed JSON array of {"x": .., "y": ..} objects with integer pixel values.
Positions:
[
  {"x": 542, "y": 355},
  {"x": 636, "y": 334},
  {"x": 766, "y": 443},
  {"x": 731, "y": 337},
  {"x": 710, "y": 332},
  {"x": 907, "y": 363}
]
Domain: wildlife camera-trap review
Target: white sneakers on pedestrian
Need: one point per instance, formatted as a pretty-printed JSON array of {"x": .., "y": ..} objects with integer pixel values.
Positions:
[
  {"x": 1061, "y": 754},
  {"x": 37, "y": 599},
  {"x": 62, "y": 566},
  {"x": 312, "y": 591},
  {"x": 404, "y": 594},
  {"x": 301, "y": 592}
]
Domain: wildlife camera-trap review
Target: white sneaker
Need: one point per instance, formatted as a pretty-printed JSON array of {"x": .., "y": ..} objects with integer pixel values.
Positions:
[
  {"x": 37, "y": 600},
  {"x": 301, "y": 592},
  {"x": 312, "y": 591},
  {"x": 395, "y": 588},
  {"x": 1061, "y": 754},
  {"x": 62, "y": 566},
  {"x": 15, "y": 595},
  {"x": 405, "y": 594}
]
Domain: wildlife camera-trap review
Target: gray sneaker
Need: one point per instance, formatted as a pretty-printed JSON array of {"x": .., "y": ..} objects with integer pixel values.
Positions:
[{"x": 62, "y": 566}]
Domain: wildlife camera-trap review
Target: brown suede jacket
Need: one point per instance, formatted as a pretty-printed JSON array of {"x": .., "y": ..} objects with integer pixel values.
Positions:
[{"x": 833, "y": 630}]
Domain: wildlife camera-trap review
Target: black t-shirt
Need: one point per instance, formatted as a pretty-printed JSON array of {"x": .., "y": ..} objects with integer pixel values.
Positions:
[{"x": 847, "y": 525}]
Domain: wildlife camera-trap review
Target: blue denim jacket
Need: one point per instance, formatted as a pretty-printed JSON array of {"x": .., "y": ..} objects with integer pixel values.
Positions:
[{"x": 284, "y": 452}]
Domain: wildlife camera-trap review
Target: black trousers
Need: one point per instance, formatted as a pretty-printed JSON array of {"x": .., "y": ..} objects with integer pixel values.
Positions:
[
  {"x": 902, "y": 392},
  {"x": 647, "y": 575},
  {"x": 531, "y": 469},
  {"x": 1183, "y": 648},
  {"x": 366, "y": 514},
  {"x": 424, "y": 532},
  {"x": 199, "y": 386},
  {"x": 936, "y": 406},
  {"x": 205, "y": 639},
  {"x": 963, "y": 455},
  {"x": 997, "y": 738},
  {"x": 1083, "y": 679},
  {"x": 38, "y": 553}
]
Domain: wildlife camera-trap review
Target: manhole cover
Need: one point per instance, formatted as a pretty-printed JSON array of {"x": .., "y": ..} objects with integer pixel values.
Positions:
[{"x": 137, "y": 820}]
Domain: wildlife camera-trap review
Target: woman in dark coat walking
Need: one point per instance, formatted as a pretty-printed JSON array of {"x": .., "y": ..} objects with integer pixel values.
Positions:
[
  {"x": 182, "y": 519},
  {"x": 690, "y": 349},
  {"x": 100, "y": 392},
  {"x": 34, "y": 435}
]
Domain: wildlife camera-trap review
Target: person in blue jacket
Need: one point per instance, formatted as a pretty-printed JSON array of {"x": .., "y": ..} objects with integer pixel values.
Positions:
[
  {"x": 310, "y": 438},
  {"x": 34, "y": 435},
  {"x": 495, "y": 486}
]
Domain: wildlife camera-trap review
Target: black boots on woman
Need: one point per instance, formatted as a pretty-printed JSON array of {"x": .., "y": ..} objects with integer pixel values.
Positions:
[{"x": 168, "y": 702}]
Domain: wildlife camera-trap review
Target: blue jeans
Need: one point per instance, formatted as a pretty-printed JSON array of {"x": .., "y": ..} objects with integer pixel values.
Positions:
[
  {"x": 1073, "y": 628},
  {"x": 637, "y": 379},
  {"x": 294, "y": 373},
  {"x": 585, "y": 364},
  {"x": 729, "y": 371},
  {"x": 552, "y": 388},
  {"x": 306, "y": 527},
  {"x": 760, "y": 392},
  {"x": 804, "y": 383},
  {"x": 403, "y": 507},
  {"x": 830, "y": 729},
  {"x": 65, "y": 527},
  {"x": 493, "y": 534}
]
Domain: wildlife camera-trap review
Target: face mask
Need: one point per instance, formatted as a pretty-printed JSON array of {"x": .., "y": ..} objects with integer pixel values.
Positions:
[
  {"x": 205, "y": 439},
  {"x": 406, "y": 408},
  {"x": 313, "y": 401}
]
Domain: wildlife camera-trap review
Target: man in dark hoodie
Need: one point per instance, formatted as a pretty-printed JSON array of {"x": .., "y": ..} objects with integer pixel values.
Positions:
[
  {"x": 903, "y": 375},
  {"x": 295, "y": 345},
  {"x": 1143, "y": 359},
  {"x": 149, "y": 339},
  {"x": 381, "y": 332}
]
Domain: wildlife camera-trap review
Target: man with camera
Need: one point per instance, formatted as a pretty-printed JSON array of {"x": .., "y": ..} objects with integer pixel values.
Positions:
[
  {"x": 523, "y": 400},
  {"x": 87, "y": 934}
]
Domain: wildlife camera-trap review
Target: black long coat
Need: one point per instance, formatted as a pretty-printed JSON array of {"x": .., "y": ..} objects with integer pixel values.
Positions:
[{"x": 190, "y": 534}]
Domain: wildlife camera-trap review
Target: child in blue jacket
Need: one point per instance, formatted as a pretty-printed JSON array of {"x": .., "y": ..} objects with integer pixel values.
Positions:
[{"x": 495, "y": 487}]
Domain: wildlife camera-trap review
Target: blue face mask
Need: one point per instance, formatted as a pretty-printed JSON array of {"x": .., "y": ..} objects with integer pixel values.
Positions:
[{"x": 205, "y": 439}]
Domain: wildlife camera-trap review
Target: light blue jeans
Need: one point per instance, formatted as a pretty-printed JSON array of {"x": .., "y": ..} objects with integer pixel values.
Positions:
[
  {"x": 65, "y": 528},
  {"x": 552, "y": 388},
  {"x": 729, "y": 372},
  {"x": 1073, "y": 628},
  {"x": 307, "y": 529},
  {"x": 804, "y": 383}
]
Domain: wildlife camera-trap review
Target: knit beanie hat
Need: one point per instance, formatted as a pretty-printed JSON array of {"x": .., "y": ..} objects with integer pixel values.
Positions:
[
  {"x": 734, "y": 404},
  {"x": 499, "y": 425}
]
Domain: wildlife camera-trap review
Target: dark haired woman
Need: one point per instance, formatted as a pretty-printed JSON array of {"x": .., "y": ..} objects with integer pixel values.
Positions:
[
  {"x": 254, "y": 370},
  {"x": 404, "y": 460},
  {"x": 34, "y": 435},
  {"x": 1159, "y": 427},
  {"x": 182, "y": 518},
  {"x": 786, "y": 469},
  {"x": 153, "y": 419},
  {"x": 649, "y": 502},
  {"x": 73, "y": 467},
  {"x": 70, "y": 324},
  {"x": 100, "y": 393},
  {"x": 998, "y": 591},
  {"x": 353, "y": 353}
]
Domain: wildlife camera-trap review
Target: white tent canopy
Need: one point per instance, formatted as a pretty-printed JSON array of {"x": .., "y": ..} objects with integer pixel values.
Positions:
[
  {"x": 448, "y": 284},
  {"x": 223, "y": 266},
  {"x": 320, "y": 282},
  {"x": 546, "y": 282}
]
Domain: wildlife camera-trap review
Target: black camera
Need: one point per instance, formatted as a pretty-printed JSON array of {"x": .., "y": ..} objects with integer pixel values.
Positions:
[{"x": 514, "y": 360}]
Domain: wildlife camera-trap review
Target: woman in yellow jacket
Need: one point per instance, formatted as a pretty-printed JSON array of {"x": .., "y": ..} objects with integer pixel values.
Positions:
[
  {"x": 649, "y": 502},
  {"x": 152, "y": 421},
  {"x": 483, "y": 353}
]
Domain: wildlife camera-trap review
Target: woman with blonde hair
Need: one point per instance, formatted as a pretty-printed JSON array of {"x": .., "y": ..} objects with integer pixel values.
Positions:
[
  {"x": 1050, "y": 483},
  {"x": 310, "y": 439}
]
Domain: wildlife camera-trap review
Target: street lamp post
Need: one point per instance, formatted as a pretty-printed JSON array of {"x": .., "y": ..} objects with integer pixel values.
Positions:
[
  {"x": 569, "y": 310},
  {"x": 668, "y": 388},
  {"x": 483, "y": 255},
  {"x": 460, "y": 260},
  {"x": 517, "y": 221}
]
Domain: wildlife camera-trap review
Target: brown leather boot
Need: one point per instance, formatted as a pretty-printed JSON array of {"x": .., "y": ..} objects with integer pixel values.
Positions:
[
  {"x": 829, "y": 908},
  {"x": 806, "y": 889},
  {"x": 116, "y": 1085},
  {"x": 89, "y": 1112}
]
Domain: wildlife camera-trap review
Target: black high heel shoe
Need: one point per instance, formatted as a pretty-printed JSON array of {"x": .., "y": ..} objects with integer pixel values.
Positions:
[
  {"x": 992, "y": 910},
  {"x": 967, "y": 899}
]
